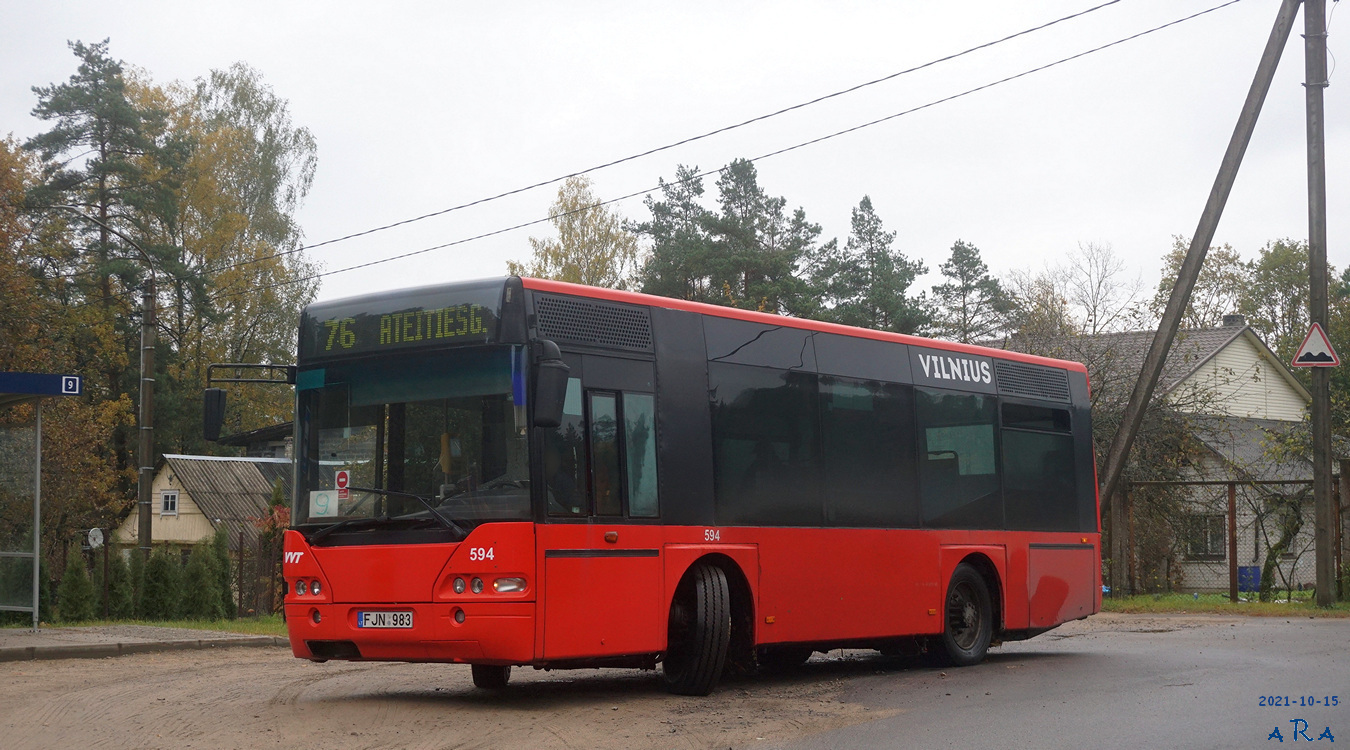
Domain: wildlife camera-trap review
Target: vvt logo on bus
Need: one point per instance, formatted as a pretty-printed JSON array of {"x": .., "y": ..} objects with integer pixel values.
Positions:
[
  {"x": 955, "y": 368},
  {"x": 293, "y": 557}
]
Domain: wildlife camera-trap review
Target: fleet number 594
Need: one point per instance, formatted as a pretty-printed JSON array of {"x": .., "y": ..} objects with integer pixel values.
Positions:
[
  {"x": 712, "y": 535},
  {"x": 480, "y": 553}
]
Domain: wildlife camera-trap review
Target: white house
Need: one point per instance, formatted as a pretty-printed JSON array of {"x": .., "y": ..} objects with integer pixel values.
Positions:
[{"x": 194, "y": 495}]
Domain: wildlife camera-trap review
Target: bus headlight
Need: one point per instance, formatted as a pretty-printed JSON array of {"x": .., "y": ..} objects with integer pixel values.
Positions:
[
  {"x": 507, "y": 585},
  {"x": 300, "y": 588},
  {"x": 477, "y": 585},
  {"x": 459, "y": 585},
  {"x": 314, "y": 588}
]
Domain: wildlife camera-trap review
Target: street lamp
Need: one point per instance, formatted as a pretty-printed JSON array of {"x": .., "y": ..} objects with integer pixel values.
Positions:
[{"x": 145, "y": 475}]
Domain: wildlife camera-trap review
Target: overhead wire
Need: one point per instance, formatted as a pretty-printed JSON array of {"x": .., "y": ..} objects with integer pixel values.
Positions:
[
  {"x": 761, "y": 157},
  {"x": 682, "y": 142}
]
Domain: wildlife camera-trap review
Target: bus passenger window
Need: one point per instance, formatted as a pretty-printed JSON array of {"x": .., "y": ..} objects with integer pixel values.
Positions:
[
  {"x": 639, "y": 434},
  {"x": 958, "y": 472},
  {"x": 605, "y": 455},
  {"x": 565, "y": 458},
  {"x": 1038, "y": 469}
]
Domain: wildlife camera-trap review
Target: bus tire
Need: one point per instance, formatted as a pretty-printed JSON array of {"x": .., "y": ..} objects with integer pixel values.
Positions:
[
  {"x": 490, "y": 677},
  {"x": 700, "y": 632},
  {"x": 968, "y": 618}
]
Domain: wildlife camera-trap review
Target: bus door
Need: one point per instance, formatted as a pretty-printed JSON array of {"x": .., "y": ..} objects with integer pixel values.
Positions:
[{"x": 601, "y": 543}]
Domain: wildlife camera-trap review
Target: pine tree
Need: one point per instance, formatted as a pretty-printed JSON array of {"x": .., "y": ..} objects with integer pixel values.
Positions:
[
  {"x": 867, "y": 283},
  {"x": 162, "y": 598},
  {"x": 972, "y": 305},
  {"x": 220, "y": 552},
  {"x": 75, "y": 594},
  {"x": 201, "y": 592}
]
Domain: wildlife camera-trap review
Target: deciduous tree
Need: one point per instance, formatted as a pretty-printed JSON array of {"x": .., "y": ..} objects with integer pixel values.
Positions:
[
  {"x": 1216, "y": 290},
  {"x": 592, "y": 246}
]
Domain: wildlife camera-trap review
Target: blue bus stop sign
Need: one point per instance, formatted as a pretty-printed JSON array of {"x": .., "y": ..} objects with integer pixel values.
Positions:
[{"x": 18, "y": 387}]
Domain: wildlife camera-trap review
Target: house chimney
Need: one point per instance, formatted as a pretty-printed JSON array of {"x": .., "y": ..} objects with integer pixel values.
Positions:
[{"x": 1234, "y": 321}]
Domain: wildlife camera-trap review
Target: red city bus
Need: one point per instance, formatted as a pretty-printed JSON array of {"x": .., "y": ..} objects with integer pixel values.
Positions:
[{"x": 523, "y": 472}]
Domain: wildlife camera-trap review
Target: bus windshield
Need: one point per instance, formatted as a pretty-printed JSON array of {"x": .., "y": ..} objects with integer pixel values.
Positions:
[{"x": 448, "y": 427}]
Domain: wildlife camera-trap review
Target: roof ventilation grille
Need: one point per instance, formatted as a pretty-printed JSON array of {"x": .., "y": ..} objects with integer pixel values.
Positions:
[
  {"x": 594, "y": 323},
  {"x": 1030, "y": 381}
]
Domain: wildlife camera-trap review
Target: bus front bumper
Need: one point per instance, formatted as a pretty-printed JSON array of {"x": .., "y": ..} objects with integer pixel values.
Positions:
[{"x": 463, "y": 632}]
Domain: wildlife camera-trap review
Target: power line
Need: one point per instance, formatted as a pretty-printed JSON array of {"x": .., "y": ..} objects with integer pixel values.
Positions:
[
  {"x": 675, "y": 144},
  {"x": 761, "y": 157},
  {"x": 648, "y": 152}
]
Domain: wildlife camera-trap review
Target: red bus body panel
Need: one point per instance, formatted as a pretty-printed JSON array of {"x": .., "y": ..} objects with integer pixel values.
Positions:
[{"x": 591, "y": 599}]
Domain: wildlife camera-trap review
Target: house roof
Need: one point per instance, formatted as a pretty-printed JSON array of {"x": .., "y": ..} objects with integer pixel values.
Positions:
[
  {"x": 230, "y": 491},
  {"x": 1124, "y": 353},
  {"x": 1250, "y": 447}
]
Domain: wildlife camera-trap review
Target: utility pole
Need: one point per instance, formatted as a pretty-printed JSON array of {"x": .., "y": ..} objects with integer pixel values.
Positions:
[
  {"x": 1195, "y": 256},
  {"x": 1314, "y": 81},
  {"x": 146, "y": 453}
]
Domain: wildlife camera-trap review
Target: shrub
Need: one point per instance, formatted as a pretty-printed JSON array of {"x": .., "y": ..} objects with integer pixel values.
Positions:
[
  {"x": 201, "y": 592},
  {"x": 136, "y": 568},
  {"x": 220, "y": 551},
  {"x": 75, "y": 594},
  {"x": 120, "y": 603},
  {"x": 162, "y": 598}
]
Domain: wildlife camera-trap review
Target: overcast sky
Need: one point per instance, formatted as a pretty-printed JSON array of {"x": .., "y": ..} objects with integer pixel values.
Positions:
[{"x": 420, "y": 106}]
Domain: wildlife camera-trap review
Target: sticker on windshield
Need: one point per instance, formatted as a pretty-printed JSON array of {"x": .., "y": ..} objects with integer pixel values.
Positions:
[{"x": 323, "y": 504}]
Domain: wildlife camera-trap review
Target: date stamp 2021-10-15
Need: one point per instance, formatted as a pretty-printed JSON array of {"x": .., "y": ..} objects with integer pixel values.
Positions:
[{"x": 1299, "y": 730}]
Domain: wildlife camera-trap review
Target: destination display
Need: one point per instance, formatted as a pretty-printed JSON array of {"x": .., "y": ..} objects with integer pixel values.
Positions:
[{"x": 418, "y": 318}]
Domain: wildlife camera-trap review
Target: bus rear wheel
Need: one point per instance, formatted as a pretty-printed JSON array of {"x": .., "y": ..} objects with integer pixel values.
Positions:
[
  {"x": 700, "y": 632},
  {"x": 969, "y": 618},
  {"x": 490, "y": 677}
]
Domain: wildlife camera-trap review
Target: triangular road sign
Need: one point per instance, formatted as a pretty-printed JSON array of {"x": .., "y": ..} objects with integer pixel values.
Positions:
[{"x": 1316, "y": 350}]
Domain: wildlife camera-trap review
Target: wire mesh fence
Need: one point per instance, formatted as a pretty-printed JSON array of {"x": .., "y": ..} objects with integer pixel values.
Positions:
[{"x": 1248, "y": 540}]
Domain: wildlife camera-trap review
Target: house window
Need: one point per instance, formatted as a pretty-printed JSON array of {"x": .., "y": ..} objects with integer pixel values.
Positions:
[
  {"x": 1205, "y": 537},
  {"x": 168, "y": 503}
]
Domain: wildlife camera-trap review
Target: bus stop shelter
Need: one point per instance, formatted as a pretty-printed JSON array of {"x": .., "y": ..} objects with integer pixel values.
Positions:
[{"x": 21, "y": 484}]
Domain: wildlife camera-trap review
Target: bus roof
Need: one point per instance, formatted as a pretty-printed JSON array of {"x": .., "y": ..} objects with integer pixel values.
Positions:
[{"x": 637, "y": 298}]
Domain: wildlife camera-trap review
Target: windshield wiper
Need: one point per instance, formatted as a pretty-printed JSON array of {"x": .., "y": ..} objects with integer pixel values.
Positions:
[
  {"x": 325, "y": 531},
  {"x": 447, "y": 523}
]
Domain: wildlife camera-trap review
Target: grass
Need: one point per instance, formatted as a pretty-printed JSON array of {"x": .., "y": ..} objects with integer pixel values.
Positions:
[
  {"x": 1302, "y": 605},
  {"x": 263, "y": 625}
]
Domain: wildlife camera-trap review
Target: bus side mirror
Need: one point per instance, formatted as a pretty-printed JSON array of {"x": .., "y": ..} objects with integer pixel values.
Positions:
[
  {"x": 550, "y": 385},
  {"x": 213, "y": 413}
]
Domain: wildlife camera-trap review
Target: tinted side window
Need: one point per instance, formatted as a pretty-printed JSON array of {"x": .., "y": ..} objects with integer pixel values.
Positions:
[
  {"x": 1038, "y": 469},
  {"x": 565, "y": 458},
  {"x": 766, "y": 459},
  {"x": 958, "y": 466},
  {"x": 867, "y": 431},
  {"x": 639, "y": 431},
  {"x": 605, "y": 454}
]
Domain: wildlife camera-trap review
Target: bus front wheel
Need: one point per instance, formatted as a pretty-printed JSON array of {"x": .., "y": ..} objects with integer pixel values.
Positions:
[
  {"x": 969, "y": 612},
  {"x": 490, "y": 677},
  {"x": 700, "y": 632}
]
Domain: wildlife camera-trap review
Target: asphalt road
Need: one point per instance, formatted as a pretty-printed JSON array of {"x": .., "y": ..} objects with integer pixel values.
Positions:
[
  {"x": 1122, "y": 682},
  {"x": 1111, "y": 681}
]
